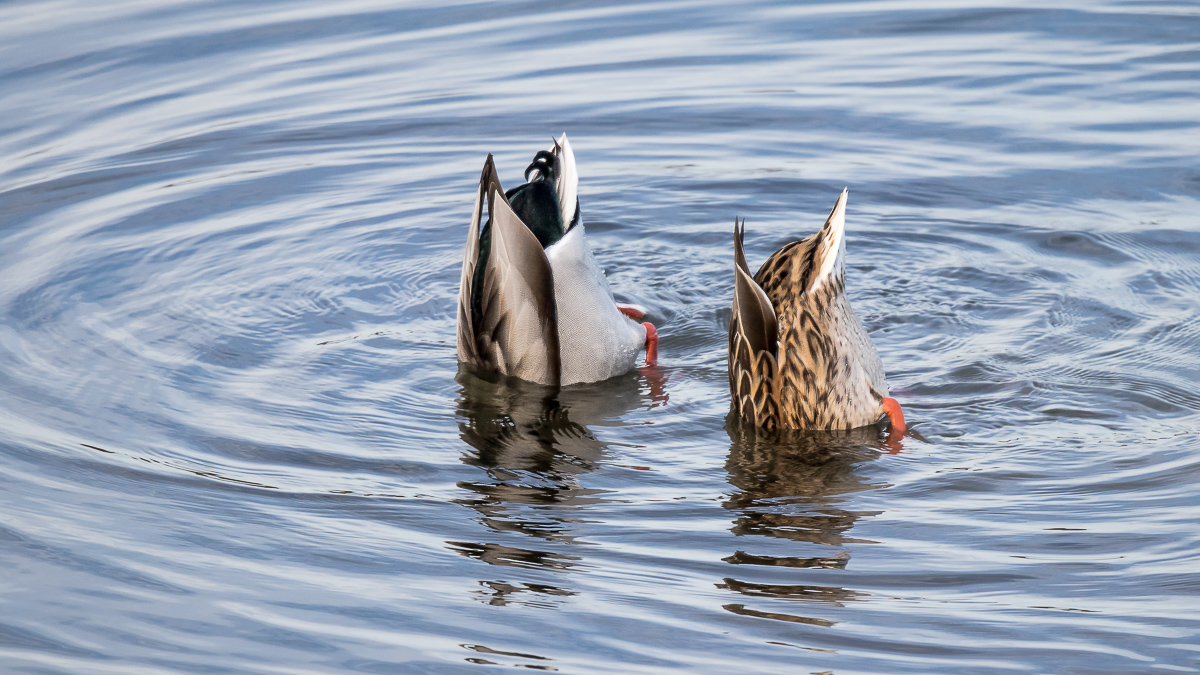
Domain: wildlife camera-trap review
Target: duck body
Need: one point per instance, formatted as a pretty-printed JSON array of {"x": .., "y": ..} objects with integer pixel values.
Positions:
[
  {"x": 534, "y": 302},
  {"x": 799, "y": 358}
]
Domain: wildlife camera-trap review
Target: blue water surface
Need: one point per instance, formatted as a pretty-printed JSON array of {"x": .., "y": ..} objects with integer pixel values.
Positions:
[{"x": 234, "y": 437}]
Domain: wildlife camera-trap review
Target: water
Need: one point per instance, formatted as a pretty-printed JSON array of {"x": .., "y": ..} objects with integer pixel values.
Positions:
[{"x": 234, "y": 438}]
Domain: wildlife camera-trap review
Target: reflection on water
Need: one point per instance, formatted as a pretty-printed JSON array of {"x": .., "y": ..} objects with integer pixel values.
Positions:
[
  {"x": 789, "y": 485},
  {"x": 533, "y": 444},
  {"x": 500, "y": 593},
  {"x": 515, "y": 426},
  {"x": 534, "y": 441}
]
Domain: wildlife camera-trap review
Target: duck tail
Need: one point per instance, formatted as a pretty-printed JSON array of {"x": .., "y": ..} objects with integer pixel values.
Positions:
[{"x": 829, "y": 260}]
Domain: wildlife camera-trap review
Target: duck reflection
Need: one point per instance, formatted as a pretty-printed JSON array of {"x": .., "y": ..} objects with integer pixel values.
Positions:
[
  {"x": 499, "y": 594},
  {"x": 533, "y": 444},
  {"x": 789, "y": 485}
]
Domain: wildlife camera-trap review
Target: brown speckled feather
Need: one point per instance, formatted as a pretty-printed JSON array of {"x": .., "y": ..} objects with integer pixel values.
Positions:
[
  {"x": 823, "y": 372},
  {"x": 753, "y": 342}
]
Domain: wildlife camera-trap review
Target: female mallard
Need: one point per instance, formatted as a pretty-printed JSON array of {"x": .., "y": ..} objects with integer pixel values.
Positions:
[
  {"x": 534, "y": 303},
  {"x": 798, "y": 357}
]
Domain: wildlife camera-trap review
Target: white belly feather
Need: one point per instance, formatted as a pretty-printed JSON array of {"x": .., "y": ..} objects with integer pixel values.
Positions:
[{"x": 596, "y": 341}]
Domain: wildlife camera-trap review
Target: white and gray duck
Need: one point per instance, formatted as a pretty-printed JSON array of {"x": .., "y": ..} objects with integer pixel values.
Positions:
[{"x": 534, "y": 303}]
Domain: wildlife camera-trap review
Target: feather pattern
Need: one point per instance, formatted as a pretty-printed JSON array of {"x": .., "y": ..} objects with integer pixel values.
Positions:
[
  {"x": 515, "y": 330},
  {"x": 467, "y": 352},
  {"x": 823, "y": 371},
  {"x": 753, "y": 345}
]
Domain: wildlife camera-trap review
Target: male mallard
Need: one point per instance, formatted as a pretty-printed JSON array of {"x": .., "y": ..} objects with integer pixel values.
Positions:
[
  {"x": 534, "y": 303},
  {"x": 798, "y": 356}
]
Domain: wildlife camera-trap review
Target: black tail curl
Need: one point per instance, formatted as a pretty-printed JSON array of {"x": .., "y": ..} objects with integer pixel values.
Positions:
[{"x": 546, "y": 164}]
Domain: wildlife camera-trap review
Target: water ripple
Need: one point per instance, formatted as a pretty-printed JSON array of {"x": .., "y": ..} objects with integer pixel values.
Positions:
[{"x": 236, "y": 438}]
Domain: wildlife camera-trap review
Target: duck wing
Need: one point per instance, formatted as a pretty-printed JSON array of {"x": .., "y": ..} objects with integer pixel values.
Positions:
[
  {"x": 467, "y": 350},
  {"x": 507, "y": 320},
  {"x": 753, "y": 345}
]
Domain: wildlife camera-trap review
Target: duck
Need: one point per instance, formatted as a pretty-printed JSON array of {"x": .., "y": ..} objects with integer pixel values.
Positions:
[
  {"x": 799, "y": 358},
  {"x": 533, "y": 301}
]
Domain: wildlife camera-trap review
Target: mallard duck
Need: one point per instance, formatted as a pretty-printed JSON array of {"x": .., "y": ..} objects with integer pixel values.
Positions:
[
  {"x": 798, "y": 356},
  {"x": 534, "y": 303}
]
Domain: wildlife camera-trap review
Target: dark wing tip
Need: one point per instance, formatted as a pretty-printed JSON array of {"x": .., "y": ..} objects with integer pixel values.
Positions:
[
  {"x": 755, "y": 315},
  {"x": 489, "y": 177},
  {"x": 739, "y": 252}
]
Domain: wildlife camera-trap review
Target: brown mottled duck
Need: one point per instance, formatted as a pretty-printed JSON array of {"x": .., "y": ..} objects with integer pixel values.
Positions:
[{"x": 798, "y": 356}]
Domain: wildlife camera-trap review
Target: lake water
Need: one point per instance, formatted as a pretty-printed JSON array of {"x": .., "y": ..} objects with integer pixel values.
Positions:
[{"x": 234, "y": 437}]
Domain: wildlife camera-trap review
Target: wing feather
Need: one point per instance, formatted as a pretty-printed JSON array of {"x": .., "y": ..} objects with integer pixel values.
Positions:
[
  {"x": 518, "y": 321},
  {"x": 756, "y": 316},
  {"x": 739, "y": 252},
  {"x": 515, "y": 330},
  {"x": 753, "y": 344},
  {"x": 466, "y": 327}
]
